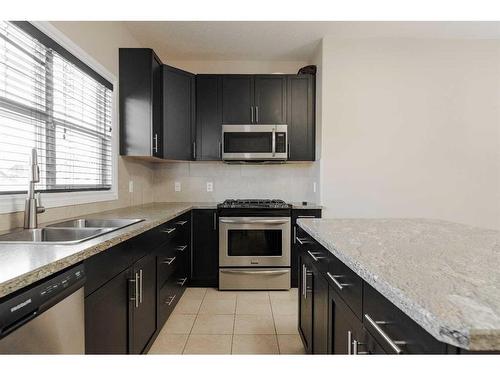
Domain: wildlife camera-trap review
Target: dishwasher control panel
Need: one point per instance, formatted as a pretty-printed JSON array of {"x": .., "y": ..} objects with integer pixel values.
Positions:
[{"x": 34, "y": 299}]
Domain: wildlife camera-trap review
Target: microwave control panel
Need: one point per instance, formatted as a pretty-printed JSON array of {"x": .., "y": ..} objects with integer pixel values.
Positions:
[{"x": 281, "y": 142}]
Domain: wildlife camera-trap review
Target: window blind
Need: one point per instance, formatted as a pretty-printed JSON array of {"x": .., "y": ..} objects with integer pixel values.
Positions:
[{"x": 55, "y": 103}]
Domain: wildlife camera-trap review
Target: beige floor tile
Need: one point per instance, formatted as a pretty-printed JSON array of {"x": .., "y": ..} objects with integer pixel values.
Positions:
[
  {"x": 255, "y": 344},
  {"x": 213, "y": 324},
  {"x": 249, "y": 307},
  {"x": 253, "y": 296},
  {"x": 168, "y": 344},
  {"x": 286, "y": 324},
  {"x": 254, "y": 324},
  {"x": 220, "y": 295},
  {"x": 284, "y": 307},
  {"x": 290, "y": 344},
  {"x": 284, "y": 295},
  {"x": 179, "y": 324},
  {"x": 188, "y": 306},
  {"x": 194, "y": 293},
  {"x": 218, "y": 306},
  {"x": 208, "y": 344}
]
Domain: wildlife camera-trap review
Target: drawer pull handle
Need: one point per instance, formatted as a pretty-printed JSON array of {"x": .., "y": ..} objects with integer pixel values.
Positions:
[
  {"x": 313, "y": 255},
  {"x": 336, "y": 282},
  {"x": 181, "y": 248},
  {"x": 376, "y": 325},
  {"x": 182, "y": 281},
  {"x": 168, "y": 261},
  {"x": 306, "y": 217},
  {"x": 180, "y": 222},
  {"x": 303, "y": 241},
  {"x": 169, "y": 302},
  {"x": 169, "y": 230}
]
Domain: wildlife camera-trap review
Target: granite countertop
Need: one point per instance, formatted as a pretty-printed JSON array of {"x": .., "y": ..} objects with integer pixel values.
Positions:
[
  {"x": 443, "y": 275},
  {"x": 24, "y": 264}
]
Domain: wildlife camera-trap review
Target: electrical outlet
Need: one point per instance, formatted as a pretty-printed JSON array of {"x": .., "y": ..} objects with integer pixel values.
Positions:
[
  {"x": 210, "y": 187},
  {"x": 131, "y": 186},
  {"x": 178, "y": 186},
  {"x": 314, "y": 187}
]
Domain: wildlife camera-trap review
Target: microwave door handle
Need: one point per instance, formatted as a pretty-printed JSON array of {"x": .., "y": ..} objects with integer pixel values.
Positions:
[{"x": 274, "y": 142}]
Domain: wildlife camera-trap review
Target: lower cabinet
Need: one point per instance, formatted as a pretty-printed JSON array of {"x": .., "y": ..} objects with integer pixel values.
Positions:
[
  {"x": 205, "y": 248},
  {"x": 320, "y": 313},
  {"x": 305, "y": 303}
]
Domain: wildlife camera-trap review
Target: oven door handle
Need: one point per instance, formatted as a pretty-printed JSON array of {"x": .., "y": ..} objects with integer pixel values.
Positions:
[
  {"x": 257, "y": 272},
  {"x": 254, "y": 221}
]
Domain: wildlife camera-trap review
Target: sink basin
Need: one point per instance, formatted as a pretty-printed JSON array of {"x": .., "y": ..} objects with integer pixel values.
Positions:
[
  {"x": 95, "y": 223},
  {"x": 54, "y": 235}
]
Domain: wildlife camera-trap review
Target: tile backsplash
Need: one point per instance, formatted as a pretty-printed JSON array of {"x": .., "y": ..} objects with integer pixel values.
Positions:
[{"x": 290, "y": 182}]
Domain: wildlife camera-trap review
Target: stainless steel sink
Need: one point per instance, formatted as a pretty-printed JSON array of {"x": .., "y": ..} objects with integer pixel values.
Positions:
[
  {"x": 54, "y": 235},
  {"x": 95, "y": 223}
]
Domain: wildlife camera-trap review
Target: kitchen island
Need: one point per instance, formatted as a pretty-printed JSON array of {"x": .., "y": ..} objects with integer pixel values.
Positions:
[{"x": 444, "y": 276}]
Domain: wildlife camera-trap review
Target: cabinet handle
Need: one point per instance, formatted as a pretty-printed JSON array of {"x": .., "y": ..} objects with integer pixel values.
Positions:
[
  {"x": 169, "y": 302},
  {"x": 135, "y": 281},
  {"x": 392, "y": 343},
  {"x": 306, "y": 217},
  {"x": 303, "y": 241},
  {"x": 294, "y": 234},
  {"x": 313, "y": 255},
  {"x": 251, "y": 112},
  {"x": 140, "y": 286},
  {"x": 181, "y": 248},
  {"x": 182, "y": 281},
  {"x": 336, "y": 282},
  {"x": 169, "y": 230},
  {"x": 289, "y": 151},
  {"x": 194, "y": 150},
  {"x": 168, "y": 261},
  {"x": 256, "y": 114},
  {"x": 180, "y": 222},
  {"x": 349, "y": 342},
  {"x": 155, "y": 148},
  {"x": 215, "y": 221}
]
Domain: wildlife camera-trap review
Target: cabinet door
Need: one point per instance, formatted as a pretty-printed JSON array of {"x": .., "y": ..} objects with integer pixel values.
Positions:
[
  {"x": 305, "y": 304},
  {"x": 270, "y": 99},
  {"x": 237, "y": 99},
  {"x": 343, "y": 326},
  {"x": 301, "y": 117},
  {"x": 106, "y": 317},
  {"x": 177, "y": 114},
  {"x": 205, "y": 250},
  {"x": 320, "y": 313},
  {"x": 208, "y": 117},
  {"x": 143, "y": 317}
]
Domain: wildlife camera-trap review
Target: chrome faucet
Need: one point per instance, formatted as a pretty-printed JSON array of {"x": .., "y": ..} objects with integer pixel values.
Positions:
[{"x": 33, "y": 206}]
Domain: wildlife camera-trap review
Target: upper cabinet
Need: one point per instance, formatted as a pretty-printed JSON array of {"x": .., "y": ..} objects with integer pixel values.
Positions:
[
  {"x": 208, "y": 117},
  {"x": 301, "y": 117},
  {"x": 141, "y": 123},
  {"x": 178, "y": 114},
  {"x": 254, "y": 99}
]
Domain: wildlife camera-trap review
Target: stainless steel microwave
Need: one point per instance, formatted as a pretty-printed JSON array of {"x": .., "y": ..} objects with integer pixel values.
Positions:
[{"x": 254, "y": 142}]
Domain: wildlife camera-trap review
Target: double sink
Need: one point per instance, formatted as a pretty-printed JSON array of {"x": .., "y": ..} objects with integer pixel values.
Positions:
[{"x": 68, "y": 232}]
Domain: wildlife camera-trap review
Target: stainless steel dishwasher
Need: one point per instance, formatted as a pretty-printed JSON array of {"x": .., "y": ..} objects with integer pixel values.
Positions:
[{"x": 46, "y": 318}]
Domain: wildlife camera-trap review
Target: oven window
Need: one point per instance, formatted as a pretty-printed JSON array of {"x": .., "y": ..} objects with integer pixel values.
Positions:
[
  {"x": 241, "y": 142},
  {"x": 254, "y": 242}
]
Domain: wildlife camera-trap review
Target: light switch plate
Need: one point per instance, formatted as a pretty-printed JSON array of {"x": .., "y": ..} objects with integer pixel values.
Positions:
[
  {"x": 131, "y": 186},
  {"x": 178, "y": 186},
  {"x": 210, "y": 187}
]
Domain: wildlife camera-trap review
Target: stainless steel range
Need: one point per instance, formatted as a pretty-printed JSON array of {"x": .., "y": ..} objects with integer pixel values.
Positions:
[{"x": 254, "y": 244}]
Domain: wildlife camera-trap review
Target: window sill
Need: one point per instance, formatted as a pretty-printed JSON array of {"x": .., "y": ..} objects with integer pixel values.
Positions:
[{"x": 15, "y": 202}]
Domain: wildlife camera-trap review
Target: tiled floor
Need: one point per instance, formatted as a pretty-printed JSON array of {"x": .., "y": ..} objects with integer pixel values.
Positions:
[{"x": 208, "y": 321}]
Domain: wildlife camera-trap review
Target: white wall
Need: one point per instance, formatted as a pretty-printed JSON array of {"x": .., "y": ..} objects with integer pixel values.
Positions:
[{"x": 411, "y": 128}]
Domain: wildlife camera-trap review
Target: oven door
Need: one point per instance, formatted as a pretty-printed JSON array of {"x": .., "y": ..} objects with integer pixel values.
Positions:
[
  {"x": 254, "y": 241},
  {"x": 254, "y": 142}
]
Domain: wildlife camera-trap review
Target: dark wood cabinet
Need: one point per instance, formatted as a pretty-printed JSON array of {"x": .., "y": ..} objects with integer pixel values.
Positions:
[
  {"x": 238, "y": 99},
  {"x": 141, "y": 123},
  {"x": 300, "y": 117},
  {"x": 208, "y": 117},
  {"x": 270, "y": 99},
  {"x": 205, "y": 251},
  {"x": 143, "y": 303},
  {"x": 106, "y": 317},
  {"x": 320, "y": 312},
  {"x": 305, "y": 302},
  {"x": 178, "y": 114}
]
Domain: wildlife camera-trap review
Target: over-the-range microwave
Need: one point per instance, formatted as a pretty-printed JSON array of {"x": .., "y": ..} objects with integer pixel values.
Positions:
[{"x": 254, "y": 142}]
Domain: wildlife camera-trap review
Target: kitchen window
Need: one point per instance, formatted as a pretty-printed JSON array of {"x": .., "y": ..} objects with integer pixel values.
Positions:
[{"x": 52, "y": 101}]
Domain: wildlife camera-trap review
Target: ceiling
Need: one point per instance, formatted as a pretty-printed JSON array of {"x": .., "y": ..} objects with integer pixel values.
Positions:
[{"x": 285, "y": 40}]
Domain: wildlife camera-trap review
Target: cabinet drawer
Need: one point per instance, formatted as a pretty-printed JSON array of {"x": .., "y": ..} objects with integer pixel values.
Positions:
[
  {"x": 167, "y": 299},
  {"x": 347, "y": 284},
  {"x": 167, "y": 264},
  {"x": 394, "y": 330}
]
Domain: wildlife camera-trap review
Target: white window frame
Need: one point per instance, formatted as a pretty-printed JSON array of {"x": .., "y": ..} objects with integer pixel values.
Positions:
[{"x": 15, "y": 202}]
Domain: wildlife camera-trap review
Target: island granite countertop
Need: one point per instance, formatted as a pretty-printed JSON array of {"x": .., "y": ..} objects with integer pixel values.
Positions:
[
  {"x": 443, "y": 275},
  {"x": 23, "y": 264}
]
